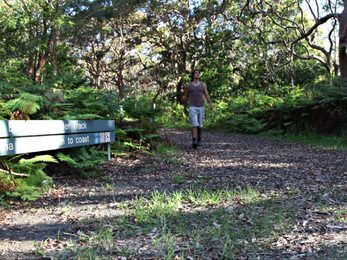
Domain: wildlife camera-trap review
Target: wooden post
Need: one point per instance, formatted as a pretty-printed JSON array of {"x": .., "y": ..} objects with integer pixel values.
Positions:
[{"x": 108, "y": 149}]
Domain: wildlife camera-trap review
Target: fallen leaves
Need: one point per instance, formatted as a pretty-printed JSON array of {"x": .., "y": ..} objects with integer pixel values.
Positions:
[
  {"x": 312, "y": 181},
  {"x": 53, "y": 244}
]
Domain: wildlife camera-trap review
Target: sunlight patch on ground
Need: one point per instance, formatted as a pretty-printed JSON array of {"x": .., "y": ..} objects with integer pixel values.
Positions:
[{"x": 251, "y": 164}]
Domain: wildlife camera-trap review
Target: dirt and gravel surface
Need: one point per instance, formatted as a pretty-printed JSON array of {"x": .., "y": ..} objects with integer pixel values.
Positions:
[{"x": 315, "y": 176}]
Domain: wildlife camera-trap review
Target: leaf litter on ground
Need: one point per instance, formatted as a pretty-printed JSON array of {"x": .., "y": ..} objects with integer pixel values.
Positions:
[{"x": 294, "y": 213}]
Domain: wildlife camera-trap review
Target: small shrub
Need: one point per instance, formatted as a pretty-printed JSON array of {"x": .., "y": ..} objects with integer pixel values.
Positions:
[
  {"x": 84, "y": 159},
  {"x": 30, "y": 187}
]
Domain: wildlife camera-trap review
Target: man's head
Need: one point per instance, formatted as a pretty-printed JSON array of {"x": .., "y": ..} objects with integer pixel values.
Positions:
[{"x": 195, "y": 75}]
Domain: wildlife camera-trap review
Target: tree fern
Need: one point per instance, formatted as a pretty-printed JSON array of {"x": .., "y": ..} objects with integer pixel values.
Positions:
[
  {"x": 4, "y": 112},
  {"x": 25, "y": 192},
  {"x": 83, "y": 117},
  {"x": 67, "y": 159},
  {"x": 30, "y": 187},
  {"x": 26, "y": 103},
  {"x": 40, "y": 158},
  {"x": 84, "y": 159}
]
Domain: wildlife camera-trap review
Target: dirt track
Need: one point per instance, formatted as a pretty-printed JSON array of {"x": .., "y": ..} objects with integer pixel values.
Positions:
[{"x": 224, "y": 161}]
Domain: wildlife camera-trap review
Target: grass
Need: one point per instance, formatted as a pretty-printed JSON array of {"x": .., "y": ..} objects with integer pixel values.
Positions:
[
  {"x": 328, "y": 142},
  {"x": 146, "y": 170},
  {"x": 168, "y": 153},
  {"x": 179, "y": 179},
  {"x": 196, "y": 223},
  {"x": 341, "y": 215},
  {"x": 109, "y": 186}
]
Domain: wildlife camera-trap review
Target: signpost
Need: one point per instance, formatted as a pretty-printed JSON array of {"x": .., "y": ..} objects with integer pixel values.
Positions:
[{"x": 26, "y": 136}]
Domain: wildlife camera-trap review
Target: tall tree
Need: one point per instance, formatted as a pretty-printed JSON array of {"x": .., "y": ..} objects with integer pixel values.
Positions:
[
  {"x": 343, "y": 41},
  {"x": 30, "y": 30},
  {"x": 308, "y": 33},
  {"x": 103, "y": 38},
  {"x": 176, "y": 35}
]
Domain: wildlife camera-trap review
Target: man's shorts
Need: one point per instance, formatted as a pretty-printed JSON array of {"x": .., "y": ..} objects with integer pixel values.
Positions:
[{"x": 196, "y": 116}]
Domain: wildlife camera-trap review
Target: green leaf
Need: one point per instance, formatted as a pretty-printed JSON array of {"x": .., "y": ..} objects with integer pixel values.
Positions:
[
  {"x": 39, "y": 158},
  {"x": 66, "y": 158}
]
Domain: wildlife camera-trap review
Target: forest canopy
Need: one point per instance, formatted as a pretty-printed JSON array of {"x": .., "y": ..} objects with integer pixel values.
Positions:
[{"x": 283, "y": 54}]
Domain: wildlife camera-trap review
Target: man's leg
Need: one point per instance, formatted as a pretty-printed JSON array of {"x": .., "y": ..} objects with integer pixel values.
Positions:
[
  {"x": 201, "y": 121},
  {"x": 193, "y": 115},
  {"x": 195, "y": 137},
  {"x": 195, "y": 132},
  {"x": 199, "y": 133}
]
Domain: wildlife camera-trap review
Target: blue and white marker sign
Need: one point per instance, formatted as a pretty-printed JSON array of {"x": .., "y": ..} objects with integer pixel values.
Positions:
[{"x": 25, "y": 136}]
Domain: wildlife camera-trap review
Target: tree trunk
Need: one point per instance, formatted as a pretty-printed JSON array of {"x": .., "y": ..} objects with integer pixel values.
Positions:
[
  {"x": 52, "y": 48},
  {"x": 31, "y": 66},
  {"x": 179, "y": 91},
  {"x": 343, "y": 41},
  {"x": 181, "y": 70},
  {"x": 120, "y": 78},
  {"x": 120, "y": 85},
  {"x": 40, "y": 65}
]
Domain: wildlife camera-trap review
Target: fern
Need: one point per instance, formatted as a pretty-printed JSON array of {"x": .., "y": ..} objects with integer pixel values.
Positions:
[
  {"x": 4, "y": 112},
  {"x": 90, "y": 103},
  {"x": 83, "y": 117},
  {"x": 26, "y": 103},
  {"x": 39, "y": 178},
  {"x": 85, "y": 159},
  {"x": 25, "y": 192},
  {"x": 39, "y": 158},
  {"x": 67, "y": 159},
  {"x": 150, "y": 137},
  {"x": 31, "y": 187}
]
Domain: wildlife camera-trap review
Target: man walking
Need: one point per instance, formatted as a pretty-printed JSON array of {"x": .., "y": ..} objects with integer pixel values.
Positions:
[{"x": 196, "y": 93}]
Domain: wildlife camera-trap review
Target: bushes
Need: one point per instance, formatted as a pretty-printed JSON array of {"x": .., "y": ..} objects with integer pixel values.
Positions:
[
  {"x": 25, "y": 178},
  {"x": 173, "y": 115},
  {"x": 137, "y": 123},
  {"x": 241, "y": 114},
  {"x": 136, "y": 126},
  {"x": 245, "y": 124},
  {"x": 44, "y": 102},
  {"x": 319, "y": 109}
]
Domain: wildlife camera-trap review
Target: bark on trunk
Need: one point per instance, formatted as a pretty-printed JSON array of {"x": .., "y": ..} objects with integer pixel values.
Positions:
[
  {"x": 31, "y": 66},
  {"x": 52, "y": 48},
  {"x": 179, "y": 91},
  {"x": 120, "y": 78},
  {"x": 120, "y": 84},
  {"x": 343, "y": 41},
  {"x": 40, "y": 65},
  {"x": 179, "y": 86}
]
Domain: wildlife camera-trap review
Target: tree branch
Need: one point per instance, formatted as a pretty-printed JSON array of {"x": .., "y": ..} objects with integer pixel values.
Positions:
[
  {"x": 330, "y": 36},
  {"x": 311, "y": 10},
  {"x": 14, "y": 173},
  {"x": 319, "y": 22},
  {"x": 9, "y": 5},
  {"x": 312, "y": 57}
]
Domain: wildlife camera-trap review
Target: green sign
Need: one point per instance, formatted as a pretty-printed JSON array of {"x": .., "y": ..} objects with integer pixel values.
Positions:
[
  {"x": 16, "y": 128},
  {"x": 9, "y": 146},
  {"x": 28, "y": 136}
]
